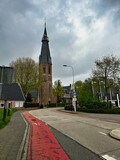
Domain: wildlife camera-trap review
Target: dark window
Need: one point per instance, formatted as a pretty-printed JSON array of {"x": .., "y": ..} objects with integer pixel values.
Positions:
[
  {"x": 44, "y": 79},
  {"x": 49, "y": 89},
  {"x": 43, "y": 69},
  {"x": 49, "y": 69}
]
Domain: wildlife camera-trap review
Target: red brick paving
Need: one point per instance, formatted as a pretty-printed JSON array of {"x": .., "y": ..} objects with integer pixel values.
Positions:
[{"x": 42, "y": 143}]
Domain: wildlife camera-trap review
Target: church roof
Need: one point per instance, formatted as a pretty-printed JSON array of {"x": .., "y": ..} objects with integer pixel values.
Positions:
[{"x": 45, "y": 51}]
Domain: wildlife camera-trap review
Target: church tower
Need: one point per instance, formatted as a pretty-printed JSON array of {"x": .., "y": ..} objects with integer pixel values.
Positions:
[{"x": 45, "y": 63}]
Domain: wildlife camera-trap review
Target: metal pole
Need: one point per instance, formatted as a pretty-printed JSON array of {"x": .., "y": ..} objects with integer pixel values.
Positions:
[
  {"x": 100, "y": 89},
  {"x": 118, "y": 100},
  {"x": 73, "y": 78},
  {"x": 2, "y": 74},
  {"x": 93, "y": 89},
  {"x": 74, "y": 102}
]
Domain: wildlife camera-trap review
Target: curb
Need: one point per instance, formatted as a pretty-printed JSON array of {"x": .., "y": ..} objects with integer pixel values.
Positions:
[
  {"x": 115, "y": 133},
  {"x": 22, "y": 153}
]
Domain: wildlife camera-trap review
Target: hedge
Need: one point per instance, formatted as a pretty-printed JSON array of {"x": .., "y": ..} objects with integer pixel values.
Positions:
[
  {"x": 51, "y": 105},
  {"x": 69, "y": 107},
  {"x": 100, "y": 110},
  {"x": 54, "y": 105},
  {"x": 29, "y": 104},
  {"x": 96, "y": 104}
]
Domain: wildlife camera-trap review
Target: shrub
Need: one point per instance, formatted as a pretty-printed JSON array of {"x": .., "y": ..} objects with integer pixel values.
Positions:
[
  {"x": 97, "y": 104},
  {"x": 69, "y": 107},
  {"x": 61, "y": 104},
  {"x": 54, "y": 105},
  {"x": 51, "y": 105},
  {"x": 100, "y": 110},
  {"x": 29, "y": 104}
]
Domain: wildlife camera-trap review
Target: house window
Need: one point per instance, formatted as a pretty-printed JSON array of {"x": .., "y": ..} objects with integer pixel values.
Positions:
[
  {"x": 44, "y": 69},
  {"x": 16, "y": 104},
  {"x": 21, "y": 104}
]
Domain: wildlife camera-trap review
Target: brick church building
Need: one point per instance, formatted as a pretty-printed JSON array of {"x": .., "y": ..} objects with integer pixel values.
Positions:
[{"x": 45, "y": 62}]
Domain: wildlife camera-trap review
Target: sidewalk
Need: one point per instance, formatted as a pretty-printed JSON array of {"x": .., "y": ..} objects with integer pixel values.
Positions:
[{"x": 11, "y": 137}]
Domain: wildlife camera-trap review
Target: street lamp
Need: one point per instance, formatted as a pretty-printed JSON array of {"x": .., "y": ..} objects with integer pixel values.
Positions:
[
  {"x": 72, "y": 73},
  {"x": 74, "y": 103}
]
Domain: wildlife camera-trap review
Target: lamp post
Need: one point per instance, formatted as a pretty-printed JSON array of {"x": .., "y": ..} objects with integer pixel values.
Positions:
[{"x": 74, "y": 102}]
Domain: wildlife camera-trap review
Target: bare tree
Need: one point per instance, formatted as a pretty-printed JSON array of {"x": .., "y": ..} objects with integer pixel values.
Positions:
[
  {"x": 26, "y": 72},
  {"x": 107, "y": 69}
]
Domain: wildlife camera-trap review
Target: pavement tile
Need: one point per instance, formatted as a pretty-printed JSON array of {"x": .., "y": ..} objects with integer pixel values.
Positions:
[{"x": 11, "y": 137}]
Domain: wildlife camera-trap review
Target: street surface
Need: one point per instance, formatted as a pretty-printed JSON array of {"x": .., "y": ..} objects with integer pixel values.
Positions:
[
  {"x": 91, "y": 131},
  {"x": 42, "y": 143}
]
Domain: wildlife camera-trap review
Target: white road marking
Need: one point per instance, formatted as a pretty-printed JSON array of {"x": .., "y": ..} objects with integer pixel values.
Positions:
[
  {"x": 108, "y": 157},
  {"x": 103, "y": 133},
  {"x": 36, "y": 124}
]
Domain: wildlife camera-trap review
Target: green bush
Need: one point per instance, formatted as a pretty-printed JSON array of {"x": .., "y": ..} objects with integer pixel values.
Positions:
[
  {"x": 69, "y": 107},
  {"x": 96, "y": 104},
  {"x": 61, "y": 104},
  {"x": 54, "y": 105},
  {"x": 29, "y": 104},
  {"x": 100, "y": 110},
  {"x": 51, "y": 105}
]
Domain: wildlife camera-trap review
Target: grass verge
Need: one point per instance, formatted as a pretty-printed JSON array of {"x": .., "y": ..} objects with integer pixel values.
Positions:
[{"x": 4, "y": 123}]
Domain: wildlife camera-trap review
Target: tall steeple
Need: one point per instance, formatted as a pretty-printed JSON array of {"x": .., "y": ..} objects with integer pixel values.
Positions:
[
  {"x": 45, "y": 51},
  {"x": 46, "y": 64}
]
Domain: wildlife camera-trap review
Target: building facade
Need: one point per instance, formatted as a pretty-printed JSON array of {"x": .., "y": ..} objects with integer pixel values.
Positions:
[
  {"x": 45, "y": 63},
  {"x": 67, "y": 97},
  {"x": 12, "y": 95}
]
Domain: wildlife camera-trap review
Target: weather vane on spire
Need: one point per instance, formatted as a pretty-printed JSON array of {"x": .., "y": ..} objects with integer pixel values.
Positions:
[{"x": 45, "y": 22}]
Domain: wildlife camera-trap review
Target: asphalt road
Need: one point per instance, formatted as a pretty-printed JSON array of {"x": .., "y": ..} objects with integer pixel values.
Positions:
[{"x": 90, "y": 133}]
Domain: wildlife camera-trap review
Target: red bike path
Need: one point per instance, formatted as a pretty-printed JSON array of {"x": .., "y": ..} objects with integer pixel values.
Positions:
[{"x": 42, "y": 143}]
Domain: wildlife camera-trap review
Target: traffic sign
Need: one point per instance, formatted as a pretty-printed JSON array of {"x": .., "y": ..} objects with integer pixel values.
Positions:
[{"x": 74, "y": 93}]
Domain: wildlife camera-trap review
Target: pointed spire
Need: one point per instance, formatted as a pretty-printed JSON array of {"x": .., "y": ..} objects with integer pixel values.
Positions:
[
  {"x": 45, "y": 51},
  {"x": 45, "y": 37}
]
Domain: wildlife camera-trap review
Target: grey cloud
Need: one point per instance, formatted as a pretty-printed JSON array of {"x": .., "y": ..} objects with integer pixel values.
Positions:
[
  {"x": 103, "y": 6},
  {"x": 22, "y": 25}
]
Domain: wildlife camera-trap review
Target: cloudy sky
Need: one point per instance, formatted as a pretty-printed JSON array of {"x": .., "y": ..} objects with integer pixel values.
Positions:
[{"x": 79, "y": 31}]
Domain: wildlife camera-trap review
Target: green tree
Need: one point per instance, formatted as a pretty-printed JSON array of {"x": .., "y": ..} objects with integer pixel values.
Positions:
[
  {"x": 58, "y": 90},
  {"x": 78, "y": 84},
  {"x": 29, "y": 97},
  {"x": 107, "y": 69},
  {"x": 84, "y": 91},
  {"x": 26, "y": 72}
]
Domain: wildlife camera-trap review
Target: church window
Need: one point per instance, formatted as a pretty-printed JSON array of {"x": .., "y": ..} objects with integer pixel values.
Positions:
[
  {"x": 44, "y": 69},
  {"x": 44, "y": 79},
  {"x": 49, "y": 89},
  {"x": 49, "y": 69}
]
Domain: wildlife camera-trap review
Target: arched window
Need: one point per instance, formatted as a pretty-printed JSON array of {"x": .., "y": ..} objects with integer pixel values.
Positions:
[
  {"x": 49, "y": 69},
  {"x": 44, "y": 69},
  {"x": 49, "y": 89},
  {"x": 44, "y": 80}
]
